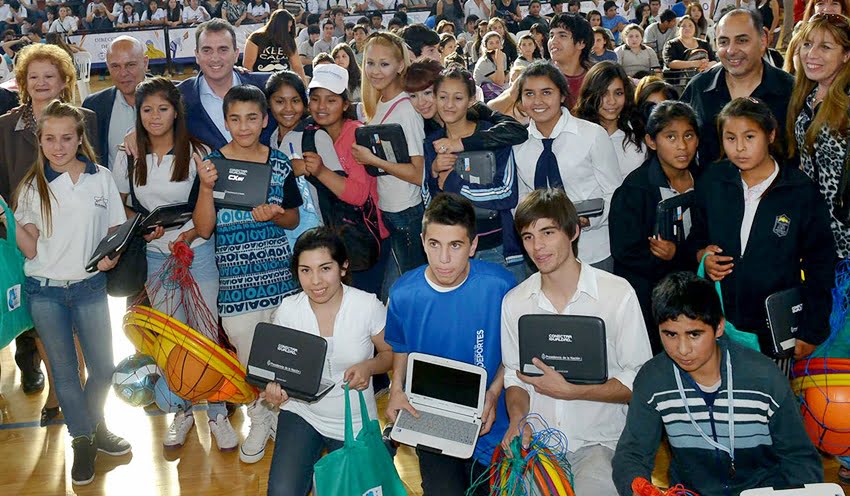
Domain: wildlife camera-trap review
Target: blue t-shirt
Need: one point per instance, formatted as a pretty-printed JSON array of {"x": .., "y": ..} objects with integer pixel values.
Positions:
[
  {"x": 611, "y": 23},
  {"x": 253, "y": 257},
  {"x": 463, "y": 324}
]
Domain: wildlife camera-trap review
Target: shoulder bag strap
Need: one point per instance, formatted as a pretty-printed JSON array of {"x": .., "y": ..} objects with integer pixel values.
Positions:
[{"x": 390, "y": 111}]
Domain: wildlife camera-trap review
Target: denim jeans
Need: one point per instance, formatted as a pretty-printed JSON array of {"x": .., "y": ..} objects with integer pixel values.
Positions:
[
  {"x": 205, "y": 273},
  {"x": 57, "y": 313},
  {"x": 497, "y": 256},
  {"x": 405, "y": 228},
  {"x": 297, "y": 447}
]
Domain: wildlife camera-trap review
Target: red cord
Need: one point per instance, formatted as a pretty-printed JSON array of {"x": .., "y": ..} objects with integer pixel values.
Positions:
[{"x": 643, "y": 487}]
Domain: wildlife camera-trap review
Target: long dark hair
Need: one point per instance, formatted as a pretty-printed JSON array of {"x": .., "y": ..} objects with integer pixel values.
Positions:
[
  {"x": 281, "y": 30},
  {"x": 757, "y": 112},
  {"x": 287, "y": 78},
  {"x": 593, "y": 89},
  {"x": 543, "y": 68},
  {"x": 183, "y": 142},
  {"x": 353, "y": 69}
]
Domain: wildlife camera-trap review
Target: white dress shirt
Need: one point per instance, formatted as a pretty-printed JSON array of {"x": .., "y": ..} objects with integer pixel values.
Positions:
[
  {"x": 213, "y": 104},
  {"x": 470, "y": 8},
  {"x": 589, "y": 169},
  {"x": 629, "y": 157},
  {"x": 599, "y": 294},
  {"x": 752, "y": 198}
]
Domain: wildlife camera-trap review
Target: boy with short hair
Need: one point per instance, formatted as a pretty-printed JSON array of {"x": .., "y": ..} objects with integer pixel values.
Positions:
[
  {"x": 591, "y": 416},
  {"x": 451, "y": 308},
  {"x": 251, "y": 250},
  {"x": 686, "y": 392},
  {"x": 612, "y": 21}
]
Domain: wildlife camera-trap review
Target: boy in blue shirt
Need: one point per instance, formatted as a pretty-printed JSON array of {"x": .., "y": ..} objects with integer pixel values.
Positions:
[
  {"x": 451, "y": 308},
  {"x": 612, "y": 21},
  {"x": 251, "y": 248}
]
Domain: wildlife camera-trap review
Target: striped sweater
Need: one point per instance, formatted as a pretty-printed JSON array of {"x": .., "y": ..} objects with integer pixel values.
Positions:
[{"x": 771, "y": 445}]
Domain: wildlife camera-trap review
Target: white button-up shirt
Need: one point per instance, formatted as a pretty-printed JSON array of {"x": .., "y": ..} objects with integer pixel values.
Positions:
[
  {"x": 752, "y": 198},
  {"x": 589, "y": 169},
  {"x": 598, "y": 294},
  {"x": 212, "y": 103}
]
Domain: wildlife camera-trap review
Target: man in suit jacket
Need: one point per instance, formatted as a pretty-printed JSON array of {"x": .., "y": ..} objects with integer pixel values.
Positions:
[
  {"x": 8, "y": 100},
  {"x": 216, "y": 54},
  {"x": 116, "y": 106}
]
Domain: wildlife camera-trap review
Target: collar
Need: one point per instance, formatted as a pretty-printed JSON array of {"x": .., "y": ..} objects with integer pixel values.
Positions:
[
  {"x": 769, "y": 82},
  {"x": 118, "y": 99},
  {"x": 656, "y": 174},
  {"x": 587, "y": 284},
  {"x": 760, "y": 188},
  {"x": 204, "y": 87},
  {"x": 50, "y": 174},
  {"x": 566, "y": 123}
]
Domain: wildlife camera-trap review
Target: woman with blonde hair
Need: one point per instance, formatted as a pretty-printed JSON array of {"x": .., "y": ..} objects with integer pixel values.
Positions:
[
  {"x": 43, "y": 73},
  {"x": 64, "y": 205},
  {"x": 385, "y": 62},
  {"x": 817, "y": 122}
]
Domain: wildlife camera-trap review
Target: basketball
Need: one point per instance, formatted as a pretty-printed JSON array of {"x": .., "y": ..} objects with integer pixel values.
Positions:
[
  {"x": 134, "y": 379},
  {"x": 826, "y": 415},
  {"x": 191, "y": 378}
]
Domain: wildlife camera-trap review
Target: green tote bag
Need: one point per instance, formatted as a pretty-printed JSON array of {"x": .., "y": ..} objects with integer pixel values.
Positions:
[
  {"x": 743, "y": 338},
  {"x": 363, "y": 466},
  {"x": 14, "y": 315}
]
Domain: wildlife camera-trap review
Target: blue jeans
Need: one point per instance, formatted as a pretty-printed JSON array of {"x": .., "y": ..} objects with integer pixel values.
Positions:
[
  {"x": 57, "y": 313},
  {"x": 297, "y": 447},
  {"x": 205, "y": 273},
  {"x": 405, "y": 228},
  {"x": 496, "y": 256}
]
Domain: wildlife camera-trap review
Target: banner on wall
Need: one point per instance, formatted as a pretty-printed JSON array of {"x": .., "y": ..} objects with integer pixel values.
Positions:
[{"x": 97, "y": 44}]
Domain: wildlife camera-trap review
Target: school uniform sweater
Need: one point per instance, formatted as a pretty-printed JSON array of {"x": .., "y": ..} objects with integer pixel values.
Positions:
[
  {"x": 790, "y": 233},
  {"x": 631, "y": 221},
  {"x": 771, "y": 444}
]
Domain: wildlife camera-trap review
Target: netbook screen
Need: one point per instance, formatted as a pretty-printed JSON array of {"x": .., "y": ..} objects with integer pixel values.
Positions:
[{"x": 445, "y": 383}]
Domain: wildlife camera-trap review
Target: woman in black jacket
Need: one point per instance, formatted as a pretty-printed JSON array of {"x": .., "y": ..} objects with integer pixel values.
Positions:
[
  {"x": 762, "y": 223},
  {"x": 640, "y": 256}
]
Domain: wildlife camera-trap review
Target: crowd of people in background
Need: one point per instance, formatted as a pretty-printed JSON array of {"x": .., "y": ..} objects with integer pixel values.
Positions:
[{"x": 626, "y": 102}]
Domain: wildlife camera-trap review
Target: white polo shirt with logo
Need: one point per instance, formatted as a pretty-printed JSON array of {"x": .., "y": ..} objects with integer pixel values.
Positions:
[{"x": 82, "y": 214}]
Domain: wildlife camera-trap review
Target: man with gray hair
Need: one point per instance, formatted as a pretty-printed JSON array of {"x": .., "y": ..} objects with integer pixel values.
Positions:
[{"x": 116, "y": 106}]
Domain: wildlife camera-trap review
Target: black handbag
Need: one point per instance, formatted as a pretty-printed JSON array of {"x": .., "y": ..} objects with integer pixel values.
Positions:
[
  {"x": 357, "y": 226},
  {"x": 130, "y": 274}
]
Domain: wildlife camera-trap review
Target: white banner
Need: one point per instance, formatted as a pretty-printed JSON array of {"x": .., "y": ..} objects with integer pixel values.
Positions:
[{"x": 97, "y": 44}]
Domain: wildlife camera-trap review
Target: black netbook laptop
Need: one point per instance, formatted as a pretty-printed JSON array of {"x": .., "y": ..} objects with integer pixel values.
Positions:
[
  {"x": 241, "y": 185},
  {"x": 167, "y": 216},
  {"x": 294, "y": 359},
  {"x": 573, "y": 345},
  {"x": 784, "y": 311},
  {"x": 386, "y": 141},
  {"x": 115, "y": 243},
  {"x": 476, "y": 167},
  {"x": 590, "y": 208},
  {"x": 669, "y": 217}
]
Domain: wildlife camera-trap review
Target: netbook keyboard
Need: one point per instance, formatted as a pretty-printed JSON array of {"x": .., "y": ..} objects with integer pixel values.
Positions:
[{"x": 439, "y": 426}]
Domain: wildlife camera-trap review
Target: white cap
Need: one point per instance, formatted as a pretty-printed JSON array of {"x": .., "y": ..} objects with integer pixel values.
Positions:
[{"x": 330, "y": 77}]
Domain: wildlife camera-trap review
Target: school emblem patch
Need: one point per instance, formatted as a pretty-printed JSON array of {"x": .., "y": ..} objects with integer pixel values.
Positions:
[{"x": 781, "y": 225}]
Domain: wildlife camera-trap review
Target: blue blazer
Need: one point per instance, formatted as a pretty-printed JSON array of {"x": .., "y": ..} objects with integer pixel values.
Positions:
[
  {"x": 201, "y": 125},
  {"x": 101, "y": 104}
]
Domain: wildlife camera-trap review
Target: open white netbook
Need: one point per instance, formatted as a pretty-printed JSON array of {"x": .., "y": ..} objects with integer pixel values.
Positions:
[{"x": 449, "y": 397}]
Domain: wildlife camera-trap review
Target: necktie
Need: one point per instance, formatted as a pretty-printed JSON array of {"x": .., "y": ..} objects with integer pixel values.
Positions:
[{"x": 547, "y": 175}]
